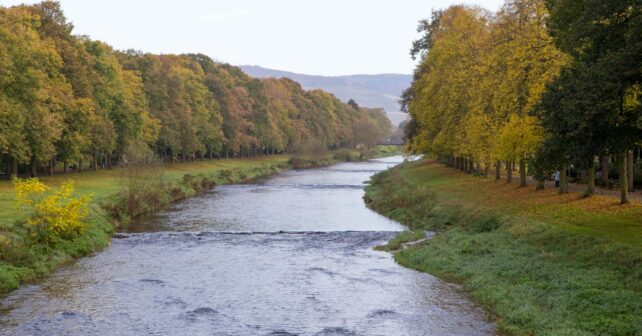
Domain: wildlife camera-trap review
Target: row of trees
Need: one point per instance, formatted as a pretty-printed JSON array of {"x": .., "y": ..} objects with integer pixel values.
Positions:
[
  {"x": 548, "y": 84},
  {"x": 68, "y": 101}
]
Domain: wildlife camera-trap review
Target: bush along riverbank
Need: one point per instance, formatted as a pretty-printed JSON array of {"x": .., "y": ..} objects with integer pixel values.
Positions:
[
  {"x": 115, "y": 197},
  {"x": 540, "y": 263}
]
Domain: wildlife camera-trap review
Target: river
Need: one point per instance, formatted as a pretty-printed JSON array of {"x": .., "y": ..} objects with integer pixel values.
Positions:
[{"x": 289, "y": 255}]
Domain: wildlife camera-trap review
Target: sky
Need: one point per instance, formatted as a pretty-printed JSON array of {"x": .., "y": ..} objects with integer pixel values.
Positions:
[{"x": 322, "y": 37}]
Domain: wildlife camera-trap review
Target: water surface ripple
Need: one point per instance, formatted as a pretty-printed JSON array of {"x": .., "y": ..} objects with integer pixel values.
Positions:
[{"x": 291, "y": 255}]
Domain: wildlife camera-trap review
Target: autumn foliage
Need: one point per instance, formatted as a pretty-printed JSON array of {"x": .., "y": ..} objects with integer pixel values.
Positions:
[
  {"x": 552, "y": 85},
  {"x": 69, "y": 103},
  {"x": 52, "y": 214}
]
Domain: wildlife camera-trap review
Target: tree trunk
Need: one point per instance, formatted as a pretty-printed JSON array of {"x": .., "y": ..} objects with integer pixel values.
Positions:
[
  {"x": 65, "y": 166},
  {"x": 630, "y": 161},
  {"x": 33, "y": 167},
  {"x": 52, "y": 163},
  {"x": 509, "y": 172},
  {"x": 80, "y": 166},
  {"x": 498, "y": 170},
  {"x": 522, "y": 173},
  {"x": 590, "y": 180},
  {"x": 14, "y": 167},
  {"x": 605, "y": 170},
  {"x": 563, "y": 180},
  {"x": 486, "y": 169},
  {"x": 624, "y": 184},
  {"x": 95, "y": 162},
  {"x": 478, "y": 168},
  {"x": 108, "y": 160}
]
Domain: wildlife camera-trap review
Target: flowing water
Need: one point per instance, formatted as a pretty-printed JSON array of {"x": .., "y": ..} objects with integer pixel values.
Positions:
[{"x": 291, "y": 255}]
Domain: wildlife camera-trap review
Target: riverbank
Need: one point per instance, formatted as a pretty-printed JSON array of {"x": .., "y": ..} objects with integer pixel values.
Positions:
[
  {"x": 541, "y": 263},
  {"x": 21, "y": 261}
]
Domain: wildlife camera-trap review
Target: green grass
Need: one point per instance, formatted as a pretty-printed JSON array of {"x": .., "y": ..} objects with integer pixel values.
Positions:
[
  {"x": 382, "y": 151},
  {"x": 540, "y": 263},
  {"x": 402, "y": 238},
  {"x": 22, "y": 263}
]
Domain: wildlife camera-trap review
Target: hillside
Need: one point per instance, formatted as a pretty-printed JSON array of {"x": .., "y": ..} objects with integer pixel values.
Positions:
[{"x": 381, "y": 90}]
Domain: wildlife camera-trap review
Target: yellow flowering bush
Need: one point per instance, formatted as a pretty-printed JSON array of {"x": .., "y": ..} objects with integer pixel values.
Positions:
[
  {"x": 28, "y": 191},
  {"x": 53, "y": 214}
]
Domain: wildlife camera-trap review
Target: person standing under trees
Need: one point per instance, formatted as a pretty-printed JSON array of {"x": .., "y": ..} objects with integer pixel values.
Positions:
[{"x": 557, "y": 179}]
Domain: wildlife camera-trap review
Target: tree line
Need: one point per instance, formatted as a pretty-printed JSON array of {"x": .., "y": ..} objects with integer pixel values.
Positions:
[
  {"x": 69, "y": 102},
  {"x": 548, "y": 85}
]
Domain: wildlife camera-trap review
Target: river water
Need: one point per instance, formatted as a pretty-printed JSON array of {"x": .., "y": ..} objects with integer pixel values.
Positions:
[{"x": 290, "y": 255}]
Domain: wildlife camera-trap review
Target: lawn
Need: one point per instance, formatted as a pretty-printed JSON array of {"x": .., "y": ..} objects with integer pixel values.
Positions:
[{"x": 598, "y": 216}]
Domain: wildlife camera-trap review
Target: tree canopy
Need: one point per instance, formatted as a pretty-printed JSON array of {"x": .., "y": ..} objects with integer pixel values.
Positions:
[
  {"x": 548, "y": 83},
  {"x": 68, "y": 98}
]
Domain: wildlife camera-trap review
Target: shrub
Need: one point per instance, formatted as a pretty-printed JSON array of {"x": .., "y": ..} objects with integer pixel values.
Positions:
[
  {"x": 143, "y": 185},
  {"x": 345, "y": 154},
  {"x": 52, "y": 215}
]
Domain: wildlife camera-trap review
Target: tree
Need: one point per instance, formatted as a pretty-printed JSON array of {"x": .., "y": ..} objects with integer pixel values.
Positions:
[
  {"x": 605, "y": 42},
  {"x": 353, "y": 104},
  {"x": 474, "y": 92},
  {"x": 68, "y": 98}
]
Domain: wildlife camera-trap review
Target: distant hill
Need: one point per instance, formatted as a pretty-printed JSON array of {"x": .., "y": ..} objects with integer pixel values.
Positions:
[{"x": 381, "y": 90}]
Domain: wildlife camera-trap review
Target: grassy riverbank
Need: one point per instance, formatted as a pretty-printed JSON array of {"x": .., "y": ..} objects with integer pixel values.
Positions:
[
  {"x": 541, "y": 263},
  {"x": 21, "y": 260}
]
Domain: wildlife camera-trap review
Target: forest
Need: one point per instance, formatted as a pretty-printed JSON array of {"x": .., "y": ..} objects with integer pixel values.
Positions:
[
  {"x": 547, "y": 86},
  {"x": 72, "y": 103}
]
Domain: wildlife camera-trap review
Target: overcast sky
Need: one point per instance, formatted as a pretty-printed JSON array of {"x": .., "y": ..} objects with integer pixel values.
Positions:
[{"x": 321, "y": 37}]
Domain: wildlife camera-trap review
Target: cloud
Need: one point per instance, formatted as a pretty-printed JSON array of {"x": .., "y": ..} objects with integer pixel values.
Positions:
[{"x": 220, "y": 16}]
